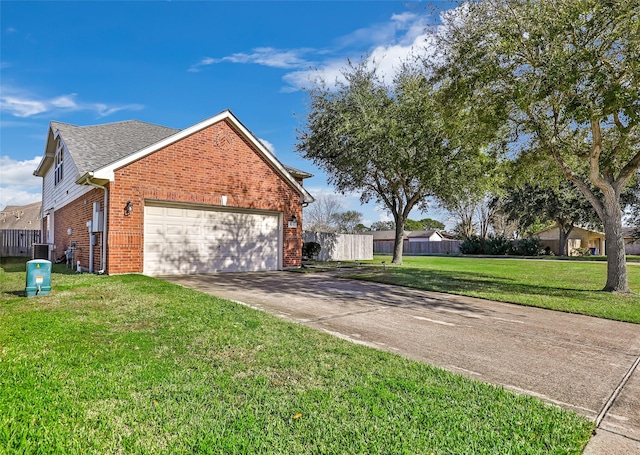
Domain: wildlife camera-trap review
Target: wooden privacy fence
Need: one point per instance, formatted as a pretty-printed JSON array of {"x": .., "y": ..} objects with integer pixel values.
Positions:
[
  {"x": 632, "y": 247},
  {"x": 342, "y": 247},
  {"x": 418, "y": 248},
  {"x": 18, "y": 242}
]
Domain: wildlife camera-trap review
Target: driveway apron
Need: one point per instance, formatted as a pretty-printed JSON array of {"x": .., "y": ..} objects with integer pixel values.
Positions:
[{"x": 580, "y": 363}]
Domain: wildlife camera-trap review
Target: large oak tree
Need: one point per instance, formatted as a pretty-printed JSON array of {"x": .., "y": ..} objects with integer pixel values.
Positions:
[
  {"x": 564, "y": 77},
  {"x": 385, "y": 141}
]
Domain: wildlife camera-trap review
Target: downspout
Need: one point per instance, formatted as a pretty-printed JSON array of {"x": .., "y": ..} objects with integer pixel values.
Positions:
[{"x": 103, "y": 256}]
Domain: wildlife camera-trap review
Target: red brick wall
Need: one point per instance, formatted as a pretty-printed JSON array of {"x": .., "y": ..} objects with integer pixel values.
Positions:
[
  {"x": 198, "y": 169},
  {"x": 75, "y": 216}
]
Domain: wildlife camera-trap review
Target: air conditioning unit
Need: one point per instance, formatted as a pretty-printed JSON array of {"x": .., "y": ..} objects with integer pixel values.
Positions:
[{"x": 41, "y": 251}]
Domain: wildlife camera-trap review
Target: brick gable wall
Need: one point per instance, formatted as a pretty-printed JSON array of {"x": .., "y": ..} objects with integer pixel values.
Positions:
[
  {"x": 199, "y": 169},
  {"x": 75, "y": 216}
]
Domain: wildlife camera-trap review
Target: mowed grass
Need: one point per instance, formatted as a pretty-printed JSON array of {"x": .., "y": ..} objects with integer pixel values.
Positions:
[
  {"x": 132, "y": 364},
  {"x": 571, "y": 286}
]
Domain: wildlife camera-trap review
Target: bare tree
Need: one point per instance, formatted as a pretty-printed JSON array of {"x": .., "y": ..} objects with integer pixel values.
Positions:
[{"x": 322, "y": 214}]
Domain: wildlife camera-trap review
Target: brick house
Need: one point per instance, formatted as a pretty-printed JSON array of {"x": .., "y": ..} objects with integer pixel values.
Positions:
[{"x": 132, "y": 197}]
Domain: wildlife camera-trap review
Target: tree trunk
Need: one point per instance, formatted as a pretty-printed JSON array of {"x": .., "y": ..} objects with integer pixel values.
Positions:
[
  {"x": 398, "y": 243},
  {"x": 563, "y": 245},
  {"x": 616, "y": 259}
]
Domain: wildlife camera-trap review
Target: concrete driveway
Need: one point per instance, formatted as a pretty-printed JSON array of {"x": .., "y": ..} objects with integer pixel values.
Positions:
[{"x": 581, "y": 363}]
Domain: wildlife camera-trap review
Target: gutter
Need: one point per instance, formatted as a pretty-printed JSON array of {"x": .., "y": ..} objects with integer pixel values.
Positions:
[{"x": 103, "y": 256}]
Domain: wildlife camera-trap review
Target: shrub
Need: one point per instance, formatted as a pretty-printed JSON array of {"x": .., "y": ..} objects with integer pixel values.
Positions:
[
  {"x": 530, "y": 246},
  {"x": 498, "y": 246},
  {"x": 311, "y": 250},
  {"x": 582, "y": 252},
  {"x": 472, "y": 245}
]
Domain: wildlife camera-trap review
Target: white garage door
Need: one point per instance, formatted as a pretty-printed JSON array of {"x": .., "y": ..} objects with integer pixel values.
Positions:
[{"x": 180, "y": 240}]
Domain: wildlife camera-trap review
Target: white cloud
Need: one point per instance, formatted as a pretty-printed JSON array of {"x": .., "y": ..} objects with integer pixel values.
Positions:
[
  {"x": 329, "y": 73},
  {"x": 397, "y": 42},
  {"x": 12, "y": 196},
  {"x": 383, "y": 213},
  {"x": 103, "y": 110},
  {"x": 266, "y": 56},
  {"x": 268, "y": 145},
  {"x": 19, "y": 103},
  {"x": 319, "y": 191},
  {"x": 18, "y": 185},
  {"x": 21, "y": 107},
  {"x": 387, "y": 45},
  {"x": 14, "y": 172},
  {"x": 65, "y": 102}
]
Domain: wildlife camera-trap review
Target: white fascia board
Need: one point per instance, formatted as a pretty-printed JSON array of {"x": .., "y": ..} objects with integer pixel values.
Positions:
[
  {"x": 45, "y": 156},
  {"x": 108, "y": 172}
]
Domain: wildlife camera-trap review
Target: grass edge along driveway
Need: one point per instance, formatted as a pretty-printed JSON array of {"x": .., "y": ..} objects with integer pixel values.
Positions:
[
  {"x": 570, "y": 286},
  {"x": 112, "y": 364}
]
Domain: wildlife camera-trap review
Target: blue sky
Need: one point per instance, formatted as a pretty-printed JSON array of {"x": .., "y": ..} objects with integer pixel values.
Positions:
[{"x": 177, "y": 63}]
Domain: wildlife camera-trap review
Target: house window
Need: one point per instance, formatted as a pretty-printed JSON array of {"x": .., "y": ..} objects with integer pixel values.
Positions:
[{"x": 58, "y": 169}]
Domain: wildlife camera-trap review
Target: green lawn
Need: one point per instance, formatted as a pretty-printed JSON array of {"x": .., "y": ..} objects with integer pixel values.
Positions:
[
  {"x": 572, "y": 286},
  {"x": 131, "y": 364}
]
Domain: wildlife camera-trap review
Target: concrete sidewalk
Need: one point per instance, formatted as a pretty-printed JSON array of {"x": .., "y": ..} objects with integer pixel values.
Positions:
[{"x": 576, "y": 362}]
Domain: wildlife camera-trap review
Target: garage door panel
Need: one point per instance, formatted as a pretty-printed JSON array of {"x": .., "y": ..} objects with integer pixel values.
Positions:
[
  {"x": 151, "y": 227},
  {"x": 182, "y": 240},
  {"x": 150, "y": 210},
  {"x": 174, "y": 213},
  {"x": 174, "y": 230},
  {"x": 193, "y": 230}
]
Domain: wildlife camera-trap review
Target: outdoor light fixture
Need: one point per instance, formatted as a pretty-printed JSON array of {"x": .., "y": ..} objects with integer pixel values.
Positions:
[
  {"x": 128, "y": 208},
  {"x": 69, "y": 231},
  {"x": 293, "y": 222},
  {"x": 293, "y": 218}
]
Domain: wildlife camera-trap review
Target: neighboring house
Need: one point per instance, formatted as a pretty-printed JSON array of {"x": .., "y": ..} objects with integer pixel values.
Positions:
[
  {"x": 432, "y": 235},
  {"x": 21, "y": 217},
  {"x": 386, "y": 236},
  {"x": 19, "y": 229},
  {"x": 132, "y": 197},
  {"x": 578, "y": 238},
  {"x": 416, "y": 242},
  {"x": 631, "y": 245}
]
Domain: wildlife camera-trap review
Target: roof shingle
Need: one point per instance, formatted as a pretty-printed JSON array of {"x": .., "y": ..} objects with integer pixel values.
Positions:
[{"x": 93, "y": 147}]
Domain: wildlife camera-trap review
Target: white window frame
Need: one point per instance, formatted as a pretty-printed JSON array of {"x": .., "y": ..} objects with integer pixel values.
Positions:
[{"x": 58, "y": 164}]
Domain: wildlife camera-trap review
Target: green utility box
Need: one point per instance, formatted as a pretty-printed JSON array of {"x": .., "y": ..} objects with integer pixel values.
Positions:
[{"x": 38, "y": 277}]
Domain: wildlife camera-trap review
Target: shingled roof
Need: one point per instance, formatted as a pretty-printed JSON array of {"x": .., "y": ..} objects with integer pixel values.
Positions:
[
  {"x": 93, "y": 147},
  {"x": 21, "y": 216},
  {"x": 100, "y": 149}
]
